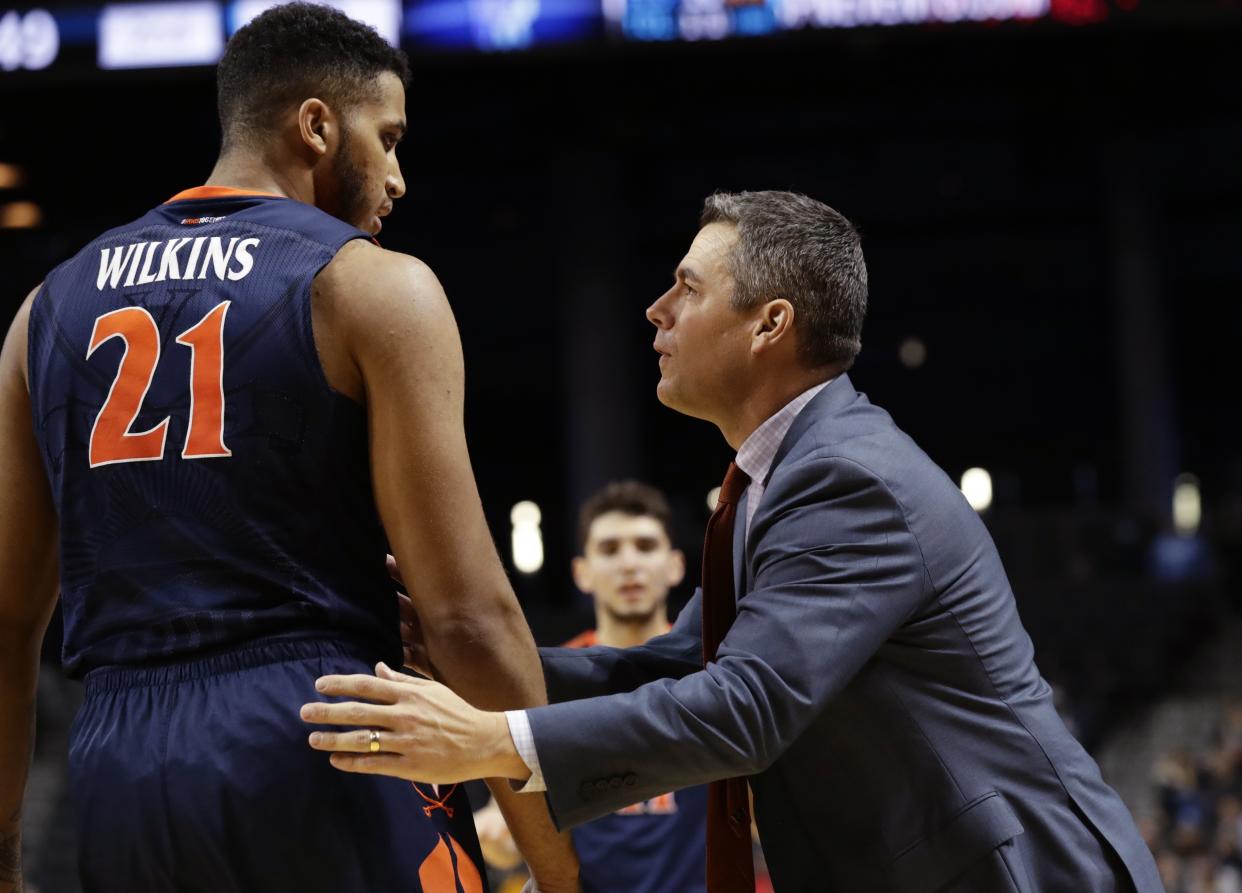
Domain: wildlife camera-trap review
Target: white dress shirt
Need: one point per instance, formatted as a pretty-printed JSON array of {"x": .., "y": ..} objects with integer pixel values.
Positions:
[
  {"x": 755, "y": 457},
  {"x": 757, "y": 452}
]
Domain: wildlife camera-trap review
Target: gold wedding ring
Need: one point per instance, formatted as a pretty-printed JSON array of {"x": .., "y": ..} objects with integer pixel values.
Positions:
[{"x": 374, "y": 741}]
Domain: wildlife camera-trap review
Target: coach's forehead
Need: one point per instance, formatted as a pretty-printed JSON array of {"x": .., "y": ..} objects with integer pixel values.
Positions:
[{"x": 708, "y": 257}]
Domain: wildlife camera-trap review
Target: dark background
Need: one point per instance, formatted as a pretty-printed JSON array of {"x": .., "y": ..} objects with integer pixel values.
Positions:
[{"x": 1055, "y": 211}]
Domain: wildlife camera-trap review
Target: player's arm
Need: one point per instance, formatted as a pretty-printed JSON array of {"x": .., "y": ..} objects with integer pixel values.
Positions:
[
  {"x": 388, "y": 314},
  {"x": 27, "y": 589},
  {"x": 495, "y": 839}
]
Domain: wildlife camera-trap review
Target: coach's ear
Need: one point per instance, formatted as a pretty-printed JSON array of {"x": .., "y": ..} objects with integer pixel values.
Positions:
[
  {"x": 773, "y": 325},
  {"x": 316, "y": 125}
]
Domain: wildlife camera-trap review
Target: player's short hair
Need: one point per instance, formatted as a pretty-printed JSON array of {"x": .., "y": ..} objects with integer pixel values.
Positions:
[
  {"x": 627, "y": 497},
  {"x": 291, "y": 53},
  {"x": 794, "y": 247}
]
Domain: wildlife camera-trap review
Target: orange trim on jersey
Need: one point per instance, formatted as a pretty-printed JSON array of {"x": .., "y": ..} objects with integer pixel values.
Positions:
[
  {"x": 218, "y": 192},
  {"x": 585, "y": 639},
  {"x": 590, "y": 638}
]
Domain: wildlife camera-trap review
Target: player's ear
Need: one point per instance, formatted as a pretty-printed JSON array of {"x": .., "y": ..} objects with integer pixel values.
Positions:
[
  {"x": 676, "y": 568},
  {"x": 582, "y": 575},
  {"x": 315, "y": 125}
]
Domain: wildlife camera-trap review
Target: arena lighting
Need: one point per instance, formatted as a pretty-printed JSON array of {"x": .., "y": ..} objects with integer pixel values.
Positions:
[
  {"x": 158, "y": 35},
  {"x": 977, "y": 488},
  {"x": 713, "y": 497},
  {"x": 527, "y": 538},
  {"x": 912, "y": 353},
  {"x": 1187, "y": 505},
  {"x": 10, "y": 176},
  {"x": 382, "y": 15},
  {"x": 20, "y": 215}
]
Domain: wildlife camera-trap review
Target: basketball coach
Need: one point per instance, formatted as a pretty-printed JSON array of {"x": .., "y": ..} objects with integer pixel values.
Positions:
[{"x": 855, "y": 652}]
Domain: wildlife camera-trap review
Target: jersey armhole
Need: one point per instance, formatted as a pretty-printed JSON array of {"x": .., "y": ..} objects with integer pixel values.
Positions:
[
  {"x": 308, "y": 323},
  {"x": 38, "y": 304}
]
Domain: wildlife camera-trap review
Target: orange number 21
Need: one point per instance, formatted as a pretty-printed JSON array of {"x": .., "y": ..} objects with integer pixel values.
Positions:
[{"x": 111, "y": 439}]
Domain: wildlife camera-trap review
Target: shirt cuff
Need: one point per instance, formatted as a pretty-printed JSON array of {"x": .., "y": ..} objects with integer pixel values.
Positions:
[{"x": 524, "y": 741}]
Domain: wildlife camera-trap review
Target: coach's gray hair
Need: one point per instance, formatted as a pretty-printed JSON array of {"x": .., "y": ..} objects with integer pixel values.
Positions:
[{"x": 793, "y": 247}]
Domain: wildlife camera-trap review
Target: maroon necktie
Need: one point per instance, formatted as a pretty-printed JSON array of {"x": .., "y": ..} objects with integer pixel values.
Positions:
[{"x": 730, "y": 866}]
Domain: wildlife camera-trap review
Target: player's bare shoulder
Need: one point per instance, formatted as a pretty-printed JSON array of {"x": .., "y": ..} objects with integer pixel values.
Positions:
[{"x": 375, "y": 310}]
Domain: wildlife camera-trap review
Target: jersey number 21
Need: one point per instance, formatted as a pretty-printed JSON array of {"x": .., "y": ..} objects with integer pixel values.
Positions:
[{"x": 111, "y": 439}]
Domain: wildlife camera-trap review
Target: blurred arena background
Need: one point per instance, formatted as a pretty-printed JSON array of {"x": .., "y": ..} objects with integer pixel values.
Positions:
[{"x": 1050, "y": 194}]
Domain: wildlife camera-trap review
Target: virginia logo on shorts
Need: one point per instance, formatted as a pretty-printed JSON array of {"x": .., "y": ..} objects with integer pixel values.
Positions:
[{"x": 449, "y": 867}]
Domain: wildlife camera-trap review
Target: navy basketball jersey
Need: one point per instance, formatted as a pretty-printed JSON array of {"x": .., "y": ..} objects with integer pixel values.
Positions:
[
  {"x": 211, "y": 487},
  {"x": 657, "y": 846}
]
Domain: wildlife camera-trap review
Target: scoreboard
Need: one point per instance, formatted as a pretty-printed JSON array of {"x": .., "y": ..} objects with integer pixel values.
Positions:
[
  {"x": 714, "y": 19},
  {"x": 147, "y": 34},
  {"x": 176, "y": 33},
  {"x": 29, "y": 39}
]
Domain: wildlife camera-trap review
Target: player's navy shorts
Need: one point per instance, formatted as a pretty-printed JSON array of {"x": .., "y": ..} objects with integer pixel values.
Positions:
[{"x": 196, "y": 776}]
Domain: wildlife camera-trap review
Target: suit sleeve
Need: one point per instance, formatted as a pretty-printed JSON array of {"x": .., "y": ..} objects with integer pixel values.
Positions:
[
  {"x": 575, "y": 673},
  {"x": 836, "y": 572}
]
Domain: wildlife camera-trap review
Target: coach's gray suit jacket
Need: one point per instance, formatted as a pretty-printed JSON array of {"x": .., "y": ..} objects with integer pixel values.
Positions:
[{"x": 877, "y": 686}]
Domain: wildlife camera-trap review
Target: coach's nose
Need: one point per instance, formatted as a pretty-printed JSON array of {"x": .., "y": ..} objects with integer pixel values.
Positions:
[{"x": 659, "y": 314}]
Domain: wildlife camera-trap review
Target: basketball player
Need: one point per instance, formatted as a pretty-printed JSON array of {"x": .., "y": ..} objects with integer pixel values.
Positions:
[
  {"x": 627, "y": 565},
  {"x": 212, "y": 419}
]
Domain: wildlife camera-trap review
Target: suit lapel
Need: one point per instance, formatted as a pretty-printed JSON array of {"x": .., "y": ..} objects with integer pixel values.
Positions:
[
  {"x": 838, "y": 395},
  {"x": 833, "y": 399}
]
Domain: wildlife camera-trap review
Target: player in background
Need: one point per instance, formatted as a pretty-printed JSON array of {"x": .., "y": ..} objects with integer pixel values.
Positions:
[
  {"x": 627, "y": 564},
  {"x": 213, "y": 421}
]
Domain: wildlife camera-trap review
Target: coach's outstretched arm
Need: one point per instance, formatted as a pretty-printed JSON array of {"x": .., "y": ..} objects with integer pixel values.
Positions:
[
  {"x": 572, "y": 674},
  {"x": 834, "y": 577},
  {"x": 386, "y": 333},
  {"x": 28, "y": 573}
]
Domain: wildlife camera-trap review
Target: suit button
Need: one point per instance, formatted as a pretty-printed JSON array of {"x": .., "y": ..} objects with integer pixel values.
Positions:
[
  {"x": 615, "y": 781},
  {"x": 601, "y": 785},
  {"x": 630, "y": 779},
  {"x": 586, "y": 790}
]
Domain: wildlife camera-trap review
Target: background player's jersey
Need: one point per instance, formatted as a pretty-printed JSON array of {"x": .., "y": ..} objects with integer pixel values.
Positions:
[
  {"x": 211, "y": 487},
  {"x": 657, "y": 846}
]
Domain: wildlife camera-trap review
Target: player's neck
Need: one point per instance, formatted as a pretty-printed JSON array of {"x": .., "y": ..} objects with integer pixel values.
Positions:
[
  {"x": 619, "y": 633},
  {"x": 239, "y": 170}
]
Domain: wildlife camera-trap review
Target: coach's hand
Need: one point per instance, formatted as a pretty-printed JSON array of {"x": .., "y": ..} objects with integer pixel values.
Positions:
[{"x": 422, "y": 730}]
